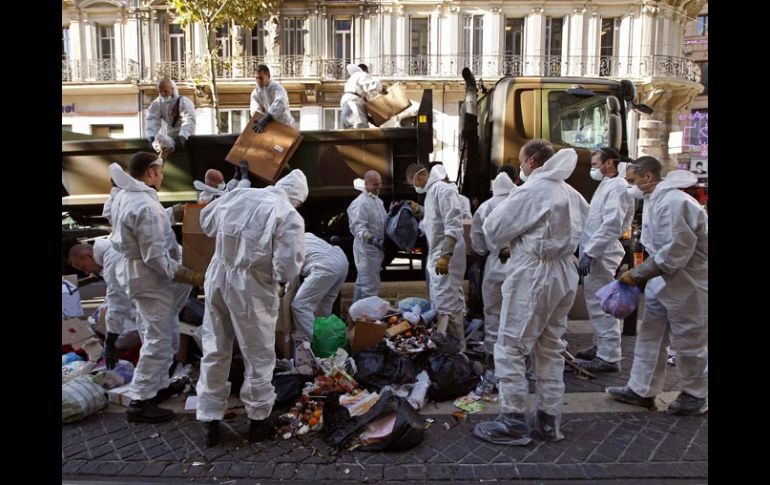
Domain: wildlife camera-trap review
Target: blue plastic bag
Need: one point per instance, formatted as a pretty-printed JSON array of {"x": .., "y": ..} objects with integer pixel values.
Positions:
[
  {"x": 617, "y": 299},
  {"x": 406, "y": 304},
  {"x": 69, "y": 358}
]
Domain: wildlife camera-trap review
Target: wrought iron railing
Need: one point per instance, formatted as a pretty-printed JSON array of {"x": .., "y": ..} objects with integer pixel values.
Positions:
[
  {"x": 95, "y": 70},
  {"x": 420, "y": 66}
]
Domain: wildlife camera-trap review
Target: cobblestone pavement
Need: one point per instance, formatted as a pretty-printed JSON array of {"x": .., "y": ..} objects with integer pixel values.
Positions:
[
  {"x": 598, "y": 446},
  {"x": 607, "y": 447}
]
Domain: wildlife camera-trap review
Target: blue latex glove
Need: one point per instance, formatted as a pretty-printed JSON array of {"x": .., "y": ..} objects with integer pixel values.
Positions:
[
  {"x": 260, "y": 125},
  {"x": 376, "y": 242},
  {"x": 244, "y": 170},
  {"x": 585, "y": 265}
]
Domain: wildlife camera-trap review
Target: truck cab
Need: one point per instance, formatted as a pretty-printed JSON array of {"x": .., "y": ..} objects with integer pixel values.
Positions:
[{"x": 578, "y": 113}]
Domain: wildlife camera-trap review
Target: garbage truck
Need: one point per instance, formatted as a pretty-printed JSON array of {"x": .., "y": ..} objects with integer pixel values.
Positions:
[{"x": 580, "y": 113}]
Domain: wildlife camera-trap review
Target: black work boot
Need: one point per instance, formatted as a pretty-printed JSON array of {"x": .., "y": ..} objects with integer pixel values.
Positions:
[
  {"x": 212, "y": 434},
  {"x": 544, "y": 427},
  {"x": 598, "y": 365},
  {"x": 687, "y": 405},
  {"x": 587, "y": 353},
  {"x": 626, "y": 395},
  {"x": 507, "y": 429},
  {"x": 261, "y": 429},
  {"x": 176, "y": 387},
  {"x": 147, "y": 411}
]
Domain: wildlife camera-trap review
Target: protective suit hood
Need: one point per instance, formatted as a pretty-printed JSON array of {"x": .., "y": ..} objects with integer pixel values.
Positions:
[
  {"x": 678, "y": 179},
  {"x": 359, "y": 185},
  {"x": 558, "y": 167},
  {"x": 502, "y": 184},
  {"x": 295, "y": 186},
  {"x": 174, "y": 90},
  {"x": 437, "y": 173},
  {"x": 127, "y": 182},
  {"x": 352, "y": 69}
]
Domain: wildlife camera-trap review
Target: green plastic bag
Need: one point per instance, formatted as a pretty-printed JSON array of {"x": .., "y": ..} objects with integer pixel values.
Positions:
[{"x": 329, "y": 334}]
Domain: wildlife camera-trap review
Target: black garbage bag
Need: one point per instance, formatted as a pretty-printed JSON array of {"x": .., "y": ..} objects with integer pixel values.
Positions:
[
  {"x": 288, "y": 388},
  {"x": 379, "y": 367},
  {"x": 408, "y": 430},
  {"x": 192, "y": 312},
  {"x": 475, "y": 275},
  {"x": 402, "y": 226},
  {"x": 452, "y": 374}
]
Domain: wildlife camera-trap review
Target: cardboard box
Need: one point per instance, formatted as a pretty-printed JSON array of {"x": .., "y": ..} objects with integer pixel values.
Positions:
[
  {"x": 285, "y": 324},
  {"x": 384, "y": 106},
  {"x": 197, "y": 247},
  {"x": 363, "y": 334},
  {"x": 397, "y": 329},
  {"x": 267, "y": 153},
  {"x": 75, "y": 331},
  {"x": 467, "y": 235}
]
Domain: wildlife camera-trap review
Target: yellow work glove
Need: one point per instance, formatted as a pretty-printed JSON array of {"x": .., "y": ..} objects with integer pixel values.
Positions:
[{"x": 442, "y": 265}]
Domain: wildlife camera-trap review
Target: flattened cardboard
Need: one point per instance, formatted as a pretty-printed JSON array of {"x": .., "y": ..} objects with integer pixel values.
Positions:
[
  {"x": 467, "y": 235},
  {"x": 266, "y": 153},
  {"x": 75, "y": 331},
  {"x": 285, "y": 325},
  {"x": 197, "y": 247},
  {"x": 363, "y": 334},
  {"x": 384, "y": 106}
]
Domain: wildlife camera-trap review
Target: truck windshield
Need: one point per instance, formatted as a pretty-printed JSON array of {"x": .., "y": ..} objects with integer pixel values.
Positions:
[{"x": 578, "y": 121}]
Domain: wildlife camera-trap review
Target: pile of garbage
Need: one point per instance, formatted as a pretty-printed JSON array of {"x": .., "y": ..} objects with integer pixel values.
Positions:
[{"x": 88, "y": 386}]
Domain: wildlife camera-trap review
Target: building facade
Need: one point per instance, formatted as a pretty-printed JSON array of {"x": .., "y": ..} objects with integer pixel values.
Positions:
[
  {"x": 694, "y": 121},
  {"x": 114, "y": 51}
]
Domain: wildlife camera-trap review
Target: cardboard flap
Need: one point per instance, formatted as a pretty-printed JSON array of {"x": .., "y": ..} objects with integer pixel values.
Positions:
[{"x": 266, "y": 153}]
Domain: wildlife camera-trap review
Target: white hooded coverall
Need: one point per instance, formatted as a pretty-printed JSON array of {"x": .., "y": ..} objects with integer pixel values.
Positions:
[
  {"x": 675, "y": 235},
  {"x": 142, "y": 234},
  {"x": 259, "y": 244},
  {"x": 366, "y": 218},
  {"x": 606, "y": 223},
  {"x": 359, "y": 88},
  {"x": 207, "y": 193},
  {"x": 273, "y": 100},
  {"x": 542, "y": 221},
  {"x": 324, "y": 272},
  {"x": 495, "y": 271},
  {"x": 443, "y": 218},
  {"x": 161, "y": 113},
  {"x": 120, "y": 316}
]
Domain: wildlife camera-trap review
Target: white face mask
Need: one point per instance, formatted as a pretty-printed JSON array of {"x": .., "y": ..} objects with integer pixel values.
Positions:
[
  {"x": 221, "y": 186},
  {"x": 165, "y": 99},
  {"x": 522, "y": 176},
  {"x": 420, "y": 190},
  {"x": 634, "y": 192},
  {"x": 596, "y": 174}
]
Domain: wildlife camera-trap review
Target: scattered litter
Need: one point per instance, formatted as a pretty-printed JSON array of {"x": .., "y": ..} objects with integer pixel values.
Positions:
[
  {"x": 359, "y": 403},
  {"x": 154, "y": 435},
  {"x": 470, "y": 403},
  {"x": 347, "y": 471},
  {"x": 446, "y": 425},
  {"x": 378, "y": 430},
  {"x": 459, "y": 416},
  {"x": 359, "y": 464},
  {"x": 428, "y": 423},
  {"x": 198, "y": 463},
  {"x": 305, "y": 416}
]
